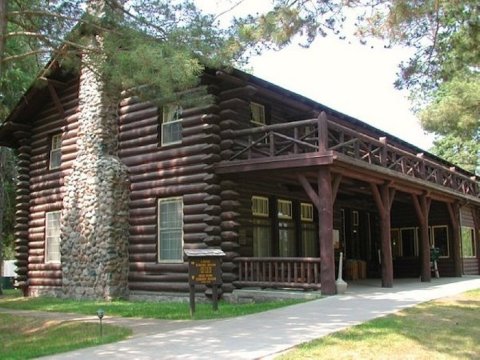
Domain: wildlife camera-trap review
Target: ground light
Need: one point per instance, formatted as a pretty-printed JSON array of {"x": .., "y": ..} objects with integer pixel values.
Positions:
[{"x": 100, "y": 314}]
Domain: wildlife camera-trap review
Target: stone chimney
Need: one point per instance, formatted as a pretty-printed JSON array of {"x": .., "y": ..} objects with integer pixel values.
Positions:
[{"x": 94, "y": 225}]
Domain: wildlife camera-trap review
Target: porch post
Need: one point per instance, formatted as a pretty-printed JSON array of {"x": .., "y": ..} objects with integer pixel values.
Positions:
[
  {"x": 454, "y": 212},
  {"x": 325, "y": 221},
  {"x": 422, "y": 208},
  {"x": 383, "y": 196}
]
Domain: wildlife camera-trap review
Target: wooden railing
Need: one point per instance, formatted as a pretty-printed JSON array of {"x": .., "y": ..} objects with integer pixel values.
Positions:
[
  {"x": 278, "y": 272},
  {"x": 300, "y": 137}
]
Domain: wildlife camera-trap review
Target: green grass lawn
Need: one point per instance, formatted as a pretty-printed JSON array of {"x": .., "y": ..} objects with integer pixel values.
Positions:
[
  {"x": 143, "y": 309},
  {"x": 443, "y": 329},
  {"x": 23, "y": 337}
]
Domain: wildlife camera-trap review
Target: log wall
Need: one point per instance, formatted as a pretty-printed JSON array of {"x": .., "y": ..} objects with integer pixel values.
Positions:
[
  {"x": 40, "y": 190},
  {"x": 468, "y": 216},
  {"x": 157, "y": 172}
]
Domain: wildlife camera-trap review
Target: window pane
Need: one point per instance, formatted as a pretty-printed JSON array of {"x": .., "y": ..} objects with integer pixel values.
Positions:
[
  {"x": 309, "y": 241},
  {"x": 440, "y": 239},
  {"x": 468, "y": 242},
  {"x": 170, "y": 234},
  {"x": 52, "y": 237},
  {"x": 262, "y": 238},
  {"x": 286, "y": 238},
  {"x": 171, "y": 132},
  {"x": 408, "y": 242}
]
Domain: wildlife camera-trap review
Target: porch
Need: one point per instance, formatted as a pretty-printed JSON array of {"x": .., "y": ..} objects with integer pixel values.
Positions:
[{"x": 324, "y": 158}]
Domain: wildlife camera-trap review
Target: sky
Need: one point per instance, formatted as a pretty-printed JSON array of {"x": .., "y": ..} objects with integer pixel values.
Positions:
[{"x": 354, "y": 79}]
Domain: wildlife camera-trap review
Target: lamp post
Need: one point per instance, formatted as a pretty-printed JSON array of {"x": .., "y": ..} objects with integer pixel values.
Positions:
[{"x": 100, "y": 314}]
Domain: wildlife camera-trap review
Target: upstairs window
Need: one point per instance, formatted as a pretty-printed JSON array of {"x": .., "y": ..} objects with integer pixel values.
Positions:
[
  {"x": 52, "y": 237},
  {"x": 172, "y": 124},
  {"x": 55, "y": 152},
  {"x": 257, "y": 113}
]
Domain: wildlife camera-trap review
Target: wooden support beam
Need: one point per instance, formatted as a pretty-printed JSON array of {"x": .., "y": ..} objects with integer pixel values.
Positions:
[
  {"x": 454, "y": 212},
  {"x": 322, "y": 132},
  {"x": 56, "y": 100},
  {"x": 383, "y": 196},
  {"x": 422, "y": 208},
  {"x": 325, "y": 221},
  {"x": 313, "y": 196}
]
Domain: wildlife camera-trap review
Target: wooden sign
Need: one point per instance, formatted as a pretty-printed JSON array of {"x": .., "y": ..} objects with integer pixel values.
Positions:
[{"x": 204, "y": 268}]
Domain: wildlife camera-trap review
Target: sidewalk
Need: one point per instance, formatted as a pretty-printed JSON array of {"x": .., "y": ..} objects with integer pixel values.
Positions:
[{"x": 266, "y": 334}]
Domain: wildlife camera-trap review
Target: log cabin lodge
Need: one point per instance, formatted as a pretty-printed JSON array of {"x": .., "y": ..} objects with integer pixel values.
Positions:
[{"x": 107, "y": 203}]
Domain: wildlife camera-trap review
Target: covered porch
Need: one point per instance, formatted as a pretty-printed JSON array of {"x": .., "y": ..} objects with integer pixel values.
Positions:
[{"x": 347, "y": 174}]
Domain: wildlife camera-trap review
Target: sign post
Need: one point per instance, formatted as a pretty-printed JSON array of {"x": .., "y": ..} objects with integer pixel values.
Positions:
[{"x": 204, "y": 268}]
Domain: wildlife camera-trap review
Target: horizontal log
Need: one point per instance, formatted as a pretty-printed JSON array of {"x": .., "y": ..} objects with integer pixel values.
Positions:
[
  {"x": 193, "y": 238},
  {"x": 194, "y": 209},
  {"x": 126, "y": 127},
  {"x": 44, "y": 267},
  {"x": 158, "y": 287},
  {"x": 46, "y": 207},
  {"x": 143, "y": 229},
  {"x": 142, "y": 257},
  {"x": 177, "y": 180},
  {"x": 142, "y": 165},
  {"x": 157, "y": 268},
  {"x": 143, "y": 211},
  {"x": 131, "y": 105},
  {"x": 51, "y": 184},
  {"x": 45, "y": 274},
  {"x": 139, "y": 141},
  {"x": 202, "y": 128},
  {"x": 229, "y": 246},
  {"x": 168, "y": 191},
  {"x": 134, "y": 277},
  {"x": 142, "y": 248},
  {"x": 139, "y": 132},
  {"x": 45, "y": 199},
  {"x": 45, "y": 282},
  {"x": 36, "y": 230},
  {"x": 142, "y": 238},
  {"x": 36, "y": 244},
  {"x": 129, "y": 116},
  {"x": 35, "y": 259},
  {"x": 145, "y": 178},
  {"x": 192, "y": 219},
  {"x": 194, "y": 199},
  {"x": 194, "y": 228},
  {"x": 143, "y": 203},
  {"x": 145, "y": 220},
  {"x": 168, "y": 158}
]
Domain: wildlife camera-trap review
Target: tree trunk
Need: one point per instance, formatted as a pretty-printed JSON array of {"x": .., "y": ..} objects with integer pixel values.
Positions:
[
  {"x": 3, "y": 159},
  {"x": 3, "y": 31}
]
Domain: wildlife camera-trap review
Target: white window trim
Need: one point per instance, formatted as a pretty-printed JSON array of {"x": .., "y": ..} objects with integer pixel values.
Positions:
[
  {"x": 474, "y": 242},
  {"x": 55, "y": 150},
  {"x": 167, "y": 122},
  {"x": 255, "y": 211},
  {"x": 170, "y": 199},
  {"x": 448, "y": 240},
  {"x": 262, "y": 109},
  {"x": 286, "y": 205},
  {"x": 308, "y": 213},
  {"x": 46, "y": 259}
]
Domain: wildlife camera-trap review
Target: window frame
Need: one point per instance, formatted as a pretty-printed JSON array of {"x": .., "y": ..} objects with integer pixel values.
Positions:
[
  {"x": 160, "y": 229},
  {"x": 415, "y": 241},
  {"x": 261, "y": 222},
  {"x": 288, "y": 206},
  {"x": 166, "y": 121},
  {"x": 55, "y": 139},
  {"x": 472, "y": 239},
  {"x": 307, "y": 215},
  {"x": 260, "y": 108},
  {"x": 48, "y": 238},
  {"x": 255, "y": 210},
  {"x": 448, "y": 239}
]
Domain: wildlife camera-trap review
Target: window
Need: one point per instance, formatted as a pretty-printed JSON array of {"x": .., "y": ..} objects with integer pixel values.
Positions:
[
  {"x": 260, "y": 206},
  {"x": 409, "y": 242},
  {"x": 55, "y": 152},
  {"x": 170, "y": 230},
  {"x": 354, "y": 218},
  {"x": 172, "y": 124},
  {"x": 257, "y": 113},
  {"x": 284, "y": 209},
  {"x": 309, "y": 235},
  {"x": 286, "y": 229},
  {"x": 52, "y": 237},
  {"x": 262, "y": 228},
  {"x": 468, "y": 242},
  {"x": 306, "y": 212},
  {"x": 440, "y": 239}
]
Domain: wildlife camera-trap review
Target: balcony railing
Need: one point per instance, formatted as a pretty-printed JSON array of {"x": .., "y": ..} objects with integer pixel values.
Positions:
[
  {"x": 278, "y": 272},
  {"x": 302, "y": 137}
]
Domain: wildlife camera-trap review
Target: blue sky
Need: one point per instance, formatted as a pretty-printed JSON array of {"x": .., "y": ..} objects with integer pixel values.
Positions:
[{"x": 349, "y": 77}]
